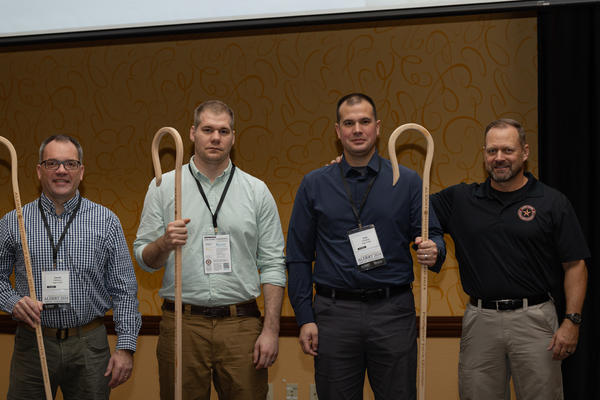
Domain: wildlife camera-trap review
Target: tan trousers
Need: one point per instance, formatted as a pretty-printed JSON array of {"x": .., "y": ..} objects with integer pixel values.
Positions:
[
  {"x": 217, "y": 348},
  {"x": 496, "y": 345}
]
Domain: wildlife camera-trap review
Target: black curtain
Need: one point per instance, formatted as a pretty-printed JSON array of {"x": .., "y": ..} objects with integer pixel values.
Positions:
[{"x": 569, "y": 148}]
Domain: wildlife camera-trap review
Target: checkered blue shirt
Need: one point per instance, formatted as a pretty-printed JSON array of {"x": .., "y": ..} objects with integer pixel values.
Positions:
[{"x": 93, "y": 250}]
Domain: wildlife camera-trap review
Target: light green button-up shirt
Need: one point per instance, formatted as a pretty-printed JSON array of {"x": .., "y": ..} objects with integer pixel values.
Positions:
[{"x": 248, "y": 214}]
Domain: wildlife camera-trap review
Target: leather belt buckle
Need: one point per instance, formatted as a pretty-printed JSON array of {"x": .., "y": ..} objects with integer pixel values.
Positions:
[
  {"x": 62, "y": 334},
  {"x": 509, "y": 304}
]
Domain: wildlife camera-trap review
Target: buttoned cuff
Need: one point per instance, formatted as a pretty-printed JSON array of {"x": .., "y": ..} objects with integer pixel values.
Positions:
[
  {"x": 11, "y": 302},
  {"x": 126, "y": 342}
]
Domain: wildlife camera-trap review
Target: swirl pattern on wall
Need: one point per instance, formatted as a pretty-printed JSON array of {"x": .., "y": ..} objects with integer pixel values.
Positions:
[{"x": 452, "y": 75}]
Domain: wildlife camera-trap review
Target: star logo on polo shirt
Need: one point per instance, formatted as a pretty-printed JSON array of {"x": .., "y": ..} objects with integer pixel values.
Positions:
[{"x": 526, "y": 213}]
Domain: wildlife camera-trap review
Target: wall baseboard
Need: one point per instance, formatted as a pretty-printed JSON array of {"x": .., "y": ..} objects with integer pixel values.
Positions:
[{"x": 437, "y": 326}]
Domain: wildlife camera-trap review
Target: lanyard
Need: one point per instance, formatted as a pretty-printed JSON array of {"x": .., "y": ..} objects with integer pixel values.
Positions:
[
  {"x": 64, "y": 232},
  {"x": 214, "y": 216},
  {"x": 364, "y": 199}
]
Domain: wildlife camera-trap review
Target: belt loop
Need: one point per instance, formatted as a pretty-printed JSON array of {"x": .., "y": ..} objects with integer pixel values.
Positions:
[
  {"x": 187, "y": 309},
  {"x": 333, "y": 294},
  {"x": 233, "y": 310},
  {"x": 525, "y": 304},
  {"x": 387, "y": 292},
  {"x": 479, "y": 302}
]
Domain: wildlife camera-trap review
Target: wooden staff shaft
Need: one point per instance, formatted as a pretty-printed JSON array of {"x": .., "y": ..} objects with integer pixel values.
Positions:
[
  {"x": 38, "y": 329},
  {"x": 178, "y": 308},
  {"x": 424, "y": 235}
]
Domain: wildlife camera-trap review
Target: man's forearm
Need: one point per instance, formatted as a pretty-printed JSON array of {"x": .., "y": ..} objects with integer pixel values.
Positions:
[
  {"x": 273, "y": 296},
  {"x": 575, "y": 285},
  {"x": 155, "y": 254}
]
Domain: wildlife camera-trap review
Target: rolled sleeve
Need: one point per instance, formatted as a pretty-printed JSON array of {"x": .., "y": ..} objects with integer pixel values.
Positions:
[
  {"x": 270, "y": 258},
  {"x": 151, "y": 225}
]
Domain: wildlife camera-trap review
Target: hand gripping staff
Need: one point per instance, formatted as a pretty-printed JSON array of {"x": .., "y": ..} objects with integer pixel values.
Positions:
[
  {"x": 38, "y": 328},
  {"x": 178, "y": 309},
  {"x": 424, "y": 235}
]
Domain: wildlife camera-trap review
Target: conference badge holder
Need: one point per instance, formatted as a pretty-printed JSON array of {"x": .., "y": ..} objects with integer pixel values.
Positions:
[
  {"x": 55, "y": 289},
  {"x": 366, "y": 248},
  {"x": 217, "y": 253}
]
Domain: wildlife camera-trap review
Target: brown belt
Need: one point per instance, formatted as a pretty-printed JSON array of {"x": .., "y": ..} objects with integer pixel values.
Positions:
[
  {"x": 64, "y": 333},
  {"x": 245, "y": 309}
]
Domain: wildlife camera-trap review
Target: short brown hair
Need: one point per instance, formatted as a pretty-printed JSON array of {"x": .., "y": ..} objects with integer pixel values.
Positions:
[
  {"x": 354, "y": 98},
  {"x": 505, "y": 123},
  {"x": 215, "y": 106},
  {"x": 61, "y": 138}
]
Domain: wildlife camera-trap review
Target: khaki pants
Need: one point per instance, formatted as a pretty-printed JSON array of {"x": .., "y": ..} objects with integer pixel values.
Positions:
[
  {"x": 217, "y": 348},
  {"x": 497, "y": 344}
]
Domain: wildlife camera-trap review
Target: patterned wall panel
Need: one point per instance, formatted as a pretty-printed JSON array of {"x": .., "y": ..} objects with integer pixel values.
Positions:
[{"x": 453, "y": 75}]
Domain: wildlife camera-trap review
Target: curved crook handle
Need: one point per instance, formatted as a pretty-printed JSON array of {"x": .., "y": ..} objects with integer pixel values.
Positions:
[
  {"x": 392, "y": 148},
  {"x": 426, "y": 170},
  {"x": 13, "y": 169},
  {"x": 178, "y": 255},
  {"x": 178, "y": 152},
  {"x": 424, "y": 234},
  {"x": 27, "y": 257}
]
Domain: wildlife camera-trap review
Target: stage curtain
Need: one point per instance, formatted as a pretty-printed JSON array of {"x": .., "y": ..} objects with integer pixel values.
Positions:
[{"x": 569, "y": 145}]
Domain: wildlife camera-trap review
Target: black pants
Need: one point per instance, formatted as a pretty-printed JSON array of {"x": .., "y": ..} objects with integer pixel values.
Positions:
[{"x": 377, "y": 336}]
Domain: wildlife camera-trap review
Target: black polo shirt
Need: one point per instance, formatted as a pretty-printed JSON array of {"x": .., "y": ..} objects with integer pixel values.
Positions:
[{"x": 510, "y": 245}]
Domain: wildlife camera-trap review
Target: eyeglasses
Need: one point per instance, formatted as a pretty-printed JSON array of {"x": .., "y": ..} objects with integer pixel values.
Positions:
[{"x": 55, "y": 164}]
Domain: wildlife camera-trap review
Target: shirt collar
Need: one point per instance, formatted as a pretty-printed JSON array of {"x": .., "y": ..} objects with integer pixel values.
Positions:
[
  {"x": 372, "y": 166},
  {"x": 199, "y": 175},
  {"x": 69, "y": 205},
  {"x": 534, "y": 189}
]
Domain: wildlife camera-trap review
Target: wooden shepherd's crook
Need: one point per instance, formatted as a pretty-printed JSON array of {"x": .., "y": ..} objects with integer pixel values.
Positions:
[
  {"x": 21, "y": 221},
  {"x": 178, "y": 309},
  {"x": 424, "y": 235}
]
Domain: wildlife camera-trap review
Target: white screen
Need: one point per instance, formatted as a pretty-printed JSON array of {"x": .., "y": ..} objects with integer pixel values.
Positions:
[{"x": 34, "y": 17}]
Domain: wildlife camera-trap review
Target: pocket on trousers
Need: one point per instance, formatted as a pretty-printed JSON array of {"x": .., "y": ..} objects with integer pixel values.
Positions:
[
  {"x": 543, "y": 317},
  {"x": 548, "y": 311},
  {"x": 468, "y": 325},
  {"x": 402, "y": 304},
  {"x": 96, "y": 341},
  {"x": 165, "y": 347},
  {"x": 323, "y": 306},
  {"x": 25, "y": 341}
]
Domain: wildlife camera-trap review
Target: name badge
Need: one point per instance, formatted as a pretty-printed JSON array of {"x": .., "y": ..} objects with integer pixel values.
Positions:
[
  {"x": 366, "y": 248},
  {"x": 55, "y": 287},
  {"x": 217, "y": 254}
]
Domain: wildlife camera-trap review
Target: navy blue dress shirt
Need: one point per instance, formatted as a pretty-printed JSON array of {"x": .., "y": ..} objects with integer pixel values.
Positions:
[{"x": 322, "y": 216}]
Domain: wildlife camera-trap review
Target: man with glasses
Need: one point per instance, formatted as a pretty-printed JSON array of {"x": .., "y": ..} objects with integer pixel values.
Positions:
[
  {"x": 232, "y": 245},
  {"x": 81, "y": 268}
]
